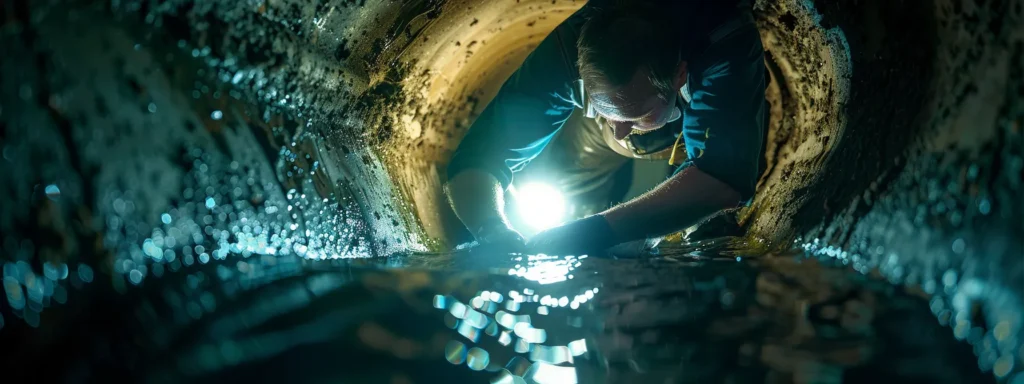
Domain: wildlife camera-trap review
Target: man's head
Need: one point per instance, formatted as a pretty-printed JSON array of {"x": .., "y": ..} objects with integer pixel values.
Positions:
[{"x": 630, "y": 59}]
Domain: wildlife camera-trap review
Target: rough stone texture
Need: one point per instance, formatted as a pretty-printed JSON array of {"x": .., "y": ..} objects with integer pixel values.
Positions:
[
  {"x": 181, "y": 143},
  {"x": 928, "y": 189}
]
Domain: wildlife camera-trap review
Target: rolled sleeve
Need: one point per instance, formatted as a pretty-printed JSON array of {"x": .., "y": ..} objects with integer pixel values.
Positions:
[
  {"x": 531, "y": 106},
  {"x": 724, "y": 123}
]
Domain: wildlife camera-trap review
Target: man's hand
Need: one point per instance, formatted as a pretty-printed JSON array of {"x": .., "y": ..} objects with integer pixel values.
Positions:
[
  {"x": 479, "y": 200},
  {"x": 500, "y": 238},
  {"x": 584, "y": 236},
  {"x": 683, "y": 200}
]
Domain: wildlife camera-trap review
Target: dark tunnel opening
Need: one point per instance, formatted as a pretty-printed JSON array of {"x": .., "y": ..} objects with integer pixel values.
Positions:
[{"x": 202, "y": 191}]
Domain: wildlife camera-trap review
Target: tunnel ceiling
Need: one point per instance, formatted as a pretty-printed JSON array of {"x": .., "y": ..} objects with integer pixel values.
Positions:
[{"x": 145, "y": 136}]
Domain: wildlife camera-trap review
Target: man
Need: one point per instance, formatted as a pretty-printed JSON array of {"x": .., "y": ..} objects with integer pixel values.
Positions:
[{"x": 653, "y": 73}]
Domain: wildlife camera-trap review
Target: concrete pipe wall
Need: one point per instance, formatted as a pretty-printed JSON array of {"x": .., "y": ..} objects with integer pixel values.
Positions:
[{"x": 141, "y": 138}]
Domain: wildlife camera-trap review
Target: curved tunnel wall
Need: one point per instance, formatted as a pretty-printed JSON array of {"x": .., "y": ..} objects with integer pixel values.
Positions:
[
  {"x": 871, "y": 104},
  {"x": 896, "y": 138},
  {"x": 452, "y": 68}
]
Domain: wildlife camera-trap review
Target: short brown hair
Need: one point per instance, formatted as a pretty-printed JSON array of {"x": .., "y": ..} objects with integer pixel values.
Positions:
[{"x": 623, "y": 36}]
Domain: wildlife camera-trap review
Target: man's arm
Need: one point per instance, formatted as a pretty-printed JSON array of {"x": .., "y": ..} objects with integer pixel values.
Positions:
[
  {"x": 514, "y": 128},
  {"x": 723, "y": 127},
  {"x": 478, "y": 199},
  {"x": 684, "y": 199},
  {"x": 681, "y": 201}
]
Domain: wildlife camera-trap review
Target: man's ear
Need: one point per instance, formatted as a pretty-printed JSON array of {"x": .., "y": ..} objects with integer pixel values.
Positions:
[{"x": 681, "y": 73}]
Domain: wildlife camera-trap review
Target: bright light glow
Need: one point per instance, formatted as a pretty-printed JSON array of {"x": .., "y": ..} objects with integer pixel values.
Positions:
[
  {"x": 540, "y": 205},
  {"x": 544, "y": 373}
]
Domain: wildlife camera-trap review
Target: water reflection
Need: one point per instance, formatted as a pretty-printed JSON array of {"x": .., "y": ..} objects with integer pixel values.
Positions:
[
  {"x": 699, "y": 318},
  {"x": 774, "y": 319},
  {"x": 520, "y": 339}
]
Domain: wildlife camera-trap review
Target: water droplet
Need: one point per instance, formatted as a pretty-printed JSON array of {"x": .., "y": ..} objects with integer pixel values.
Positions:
[
  {"x": 1001, "y": 331},
  {"x": 151, "y": 108},
  {"x": 15, "y": 295},
  {"x": 959, "y": 245},
  {"x": 216, "y": 115},
  {"x": 135, "y": 276},
  {"x": 984, "y": 206},
  {"x": 50, "y": 271},
  {"x": 85, "y": 273},
  {"x": 165, "y": 218},
  {"x": 210, "y": 203},
  {"x": 1003, "y": 366},
  {"x": 52, "y": 192}
]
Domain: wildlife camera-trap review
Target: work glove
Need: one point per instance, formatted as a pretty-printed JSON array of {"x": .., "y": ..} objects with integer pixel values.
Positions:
[{"x": 588, "y": 236}]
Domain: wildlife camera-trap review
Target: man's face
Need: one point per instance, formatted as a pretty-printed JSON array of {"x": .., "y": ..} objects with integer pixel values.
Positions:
[{"x": 635, "y": 106}]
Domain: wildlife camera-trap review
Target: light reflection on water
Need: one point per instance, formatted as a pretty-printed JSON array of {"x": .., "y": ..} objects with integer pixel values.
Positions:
[
  {"x": 688, "y": 318},
  {"x": 533, "y": 350}
]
